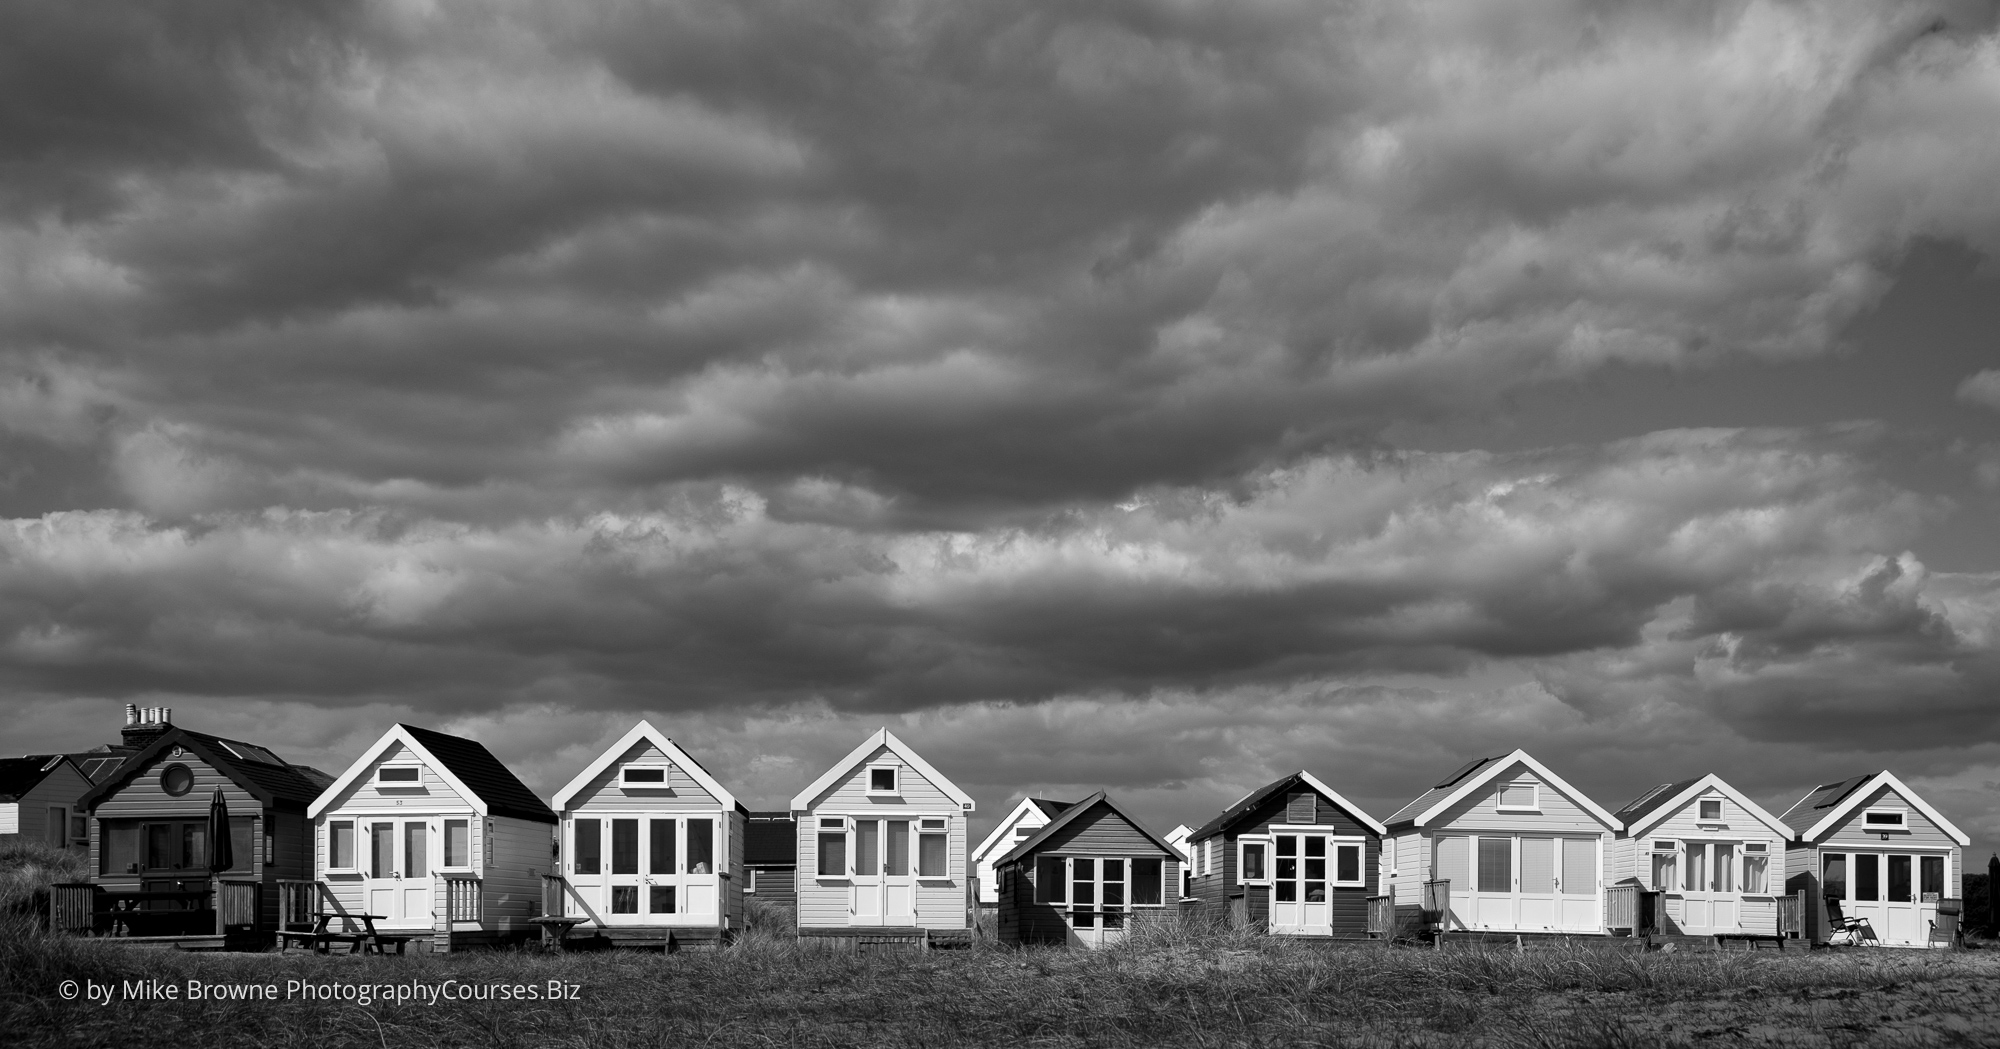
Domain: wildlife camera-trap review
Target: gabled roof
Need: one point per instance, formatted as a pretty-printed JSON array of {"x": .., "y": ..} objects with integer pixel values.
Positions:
[
  {"x": 18, "y": 776},
  {"x": 855, "y": 759},
  {"x": 644, "y": 731},
  {"x": 1478, "y": 774},
  {"x": 771, "y": 839},
  {"x": 1256, "y": 798},
  {"x": 1834, "y": 802},
  {"x": 1003, "y": 831},
  {"x": 1651, "y": 808},
  {"x": 469, "y": 767},
  {"x": 1071, "y": 815},
  {"x": 264, "y": 775}
]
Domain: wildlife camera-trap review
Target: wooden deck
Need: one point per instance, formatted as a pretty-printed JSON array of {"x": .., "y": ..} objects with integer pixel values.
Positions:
[
  {"x": 670, "y": 938},
  {"x": 888, "y": 937}
]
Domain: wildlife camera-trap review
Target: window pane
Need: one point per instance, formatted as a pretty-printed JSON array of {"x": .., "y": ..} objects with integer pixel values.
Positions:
[
  {"x": 416, "y": 850},
  {"x": 645, "y": 775},
  {"x": 118, "y": 847},
  {"x": 1867, "y": 877},
  {"x": 1899, "y": 879},
  {"x": 1723, "y": 877},
  {"x": 1756, "y": 874},
  {"x": 624, "y": 898},
  {"x": 660, "y": 848},
  {"x": 1288, "y": 845},
  {"x": 897, "y": 862},
  {"x": 340, "y": 843},
  {"x": 1663, "y": 872},
  {"x": 1285, "y": 890},
  {"x": 588, "y": 851},
  {"x": 1083, "y": 882},
  {"x": 1711, "y": 810},
  {"x": 1348, "y": 865},
  {"x": 1833, "y": 876},
  {"x": 625, "y": 847},
  {"x": 56, "y": 826},
  {"x": 1050, "y": 880},
  {"x": 881, "y": 779},
  {"x": 194, "y": 846},
  {"x": 1147, "y": 881},
  {"x": 832, "y": 855},
  {"x": 931, "y": 855},
  {"x": 243, "y": 842},
  {"x": 1697, "y": 866},
  {"x": 1933, "y": 875},
  {"x": 701, "y": 846},
  {"x": 381, "y": 850},
  {"x": 457, "y": 843},
  {"x": 867, "y": 847},
  {"x": 1253, "y": 861},
  {"x": 1579, "y": 866},
  {"x": 1517, "y": 795},
  {"x": 662, "y": 901},
  {"x": 1496, "y": 864}
]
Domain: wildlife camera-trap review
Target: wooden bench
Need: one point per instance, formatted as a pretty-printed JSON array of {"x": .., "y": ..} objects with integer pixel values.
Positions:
[
  {"x": 320, "y": 939},
  {"x": 1750, "y": 940}
]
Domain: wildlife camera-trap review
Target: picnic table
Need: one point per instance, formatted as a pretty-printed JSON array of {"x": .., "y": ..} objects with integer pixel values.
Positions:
[
  {"x": 555, "y": 928},
  {"x": 154, "y": 912},
  {"x": 320, "y": 938}
]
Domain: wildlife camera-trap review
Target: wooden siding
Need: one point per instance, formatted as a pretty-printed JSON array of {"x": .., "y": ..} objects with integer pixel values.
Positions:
[
  {"x": 1922, "y": 833},
  {"x": 737, "y": 878},
  {"x": 1349, "y": 904},
  {"x": 141, "y": 798},
  {"x": 913, "y": 790},
  {"x": 604, "y": 794},
  {"x": 1628, "y": 857},
  {"x": 1102, "y": 832},
  {"x": 1480, "y": 812},
  {"x": 1029, "y": 818},
  {"x": 1412, "y": 851},
  {"x": 939, "y": 903},
  {"x": 775, "y": 884},
  {"x": 512, "y": 878},
  {"x": 1019, "y": 919},
  {"x": 435, "y": 795},
  {"x": 61, "y": 788}
]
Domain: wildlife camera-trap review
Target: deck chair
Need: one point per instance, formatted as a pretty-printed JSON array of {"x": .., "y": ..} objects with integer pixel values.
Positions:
[
  {"x": 1848, "y": 932},
  {"x": 1944, "y": 927}
]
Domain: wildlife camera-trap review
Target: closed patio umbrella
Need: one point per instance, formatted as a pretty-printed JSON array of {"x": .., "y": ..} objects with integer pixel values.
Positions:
[{"x": 221, "y": 852}]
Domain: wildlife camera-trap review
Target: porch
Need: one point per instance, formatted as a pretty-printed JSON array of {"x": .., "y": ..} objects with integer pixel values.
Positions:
[
  {"x": 223, "y": 914},
  {"x": 572, "y": 932}
]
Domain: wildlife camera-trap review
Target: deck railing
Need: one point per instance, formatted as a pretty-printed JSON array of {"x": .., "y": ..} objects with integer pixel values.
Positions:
[
  {"x": 463, "y": 900},
  {"x": 73, "y": 907},
  {"x": 1621, "y": 908},
  {"x": 236, "y": 904},
  {"x": 299, "y": 902},
  {"x": 553, "y": 890},
  {"x": 1382, "y": 916},
  {"x": 1437, "y": 903},
  {"x": 1792, "y": 915}
]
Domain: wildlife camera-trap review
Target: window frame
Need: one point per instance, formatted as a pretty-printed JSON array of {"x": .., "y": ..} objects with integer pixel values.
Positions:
[
  {"x": 1902, "y": 825},
  {"x": 1534, "y": 804},
  {"x": 353, "y": 865},
  {"x": 1701, "y": 804},
  {"x": 382, "y": 782},
  {"x": 444, "y": 844},
  {"x": 924, "y": 832},
  {"x": 665, "y": 782},
  {"x": 824, "y": 827},
  {"x": 1260, "y": 841},
  {"x": 895, "y": 788},
  {"x": 1747, "y": 851}
]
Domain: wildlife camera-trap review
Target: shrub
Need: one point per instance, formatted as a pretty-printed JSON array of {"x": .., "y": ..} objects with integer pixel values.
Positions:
[{"x": 28, "y": 868}]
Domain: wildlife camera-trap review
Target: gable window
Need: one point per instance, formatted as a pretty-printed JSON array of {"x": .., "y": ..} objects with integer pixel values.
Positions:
[
  {"x": 1520, "y": 796},
  {"x": 932, "y": 841},
  {"x": 1711, "y": 810},
  {"x": 1250, "y": 860},
  {"x": 1885, "y": 820},
  {"x": 340, "y": 845},
  {"x": 881, "y": 779},
  {"x": 399, "y": 776},
  {"x": 832, "y": 847},
  {"x": 646, "y": 777},
  {"x": 1299, "y": 808},
  {"x": 177, "y": 780}
]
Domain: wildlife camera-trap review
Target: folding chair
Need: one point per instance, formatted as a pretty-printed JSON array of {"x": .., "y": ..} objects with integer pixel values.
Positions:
[{"x": 1848, "y": 932}]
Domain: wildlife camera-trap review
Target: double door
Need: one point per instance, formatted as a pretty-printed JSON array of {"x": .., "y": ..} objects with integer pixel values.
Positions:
[
  {"x": 1711, "y": 899},
  {"x": 644, "y": 869},
  {"x": 1305, "y": 868},
  {"x": 1896, "y": 892},
  {"x": 884, "y": 881},
  {"x": 397, "y": 877},
  {"x": 1529, "y": 883}
]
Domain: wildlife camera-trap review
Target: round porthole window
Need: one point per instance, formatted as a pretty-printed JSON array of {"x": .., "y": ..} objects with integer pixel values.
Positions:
[{"x": 177, "y": 780}]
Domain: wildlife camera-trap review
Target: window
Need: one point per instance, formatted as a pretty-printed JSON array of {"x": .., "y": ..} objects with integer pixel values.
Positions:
[
  {"x": 399, "y": 776},
  {"x": 1666, "y": 867},
  {"x": 660, "y": 858},
  {"x": 624, "y": 898},
  {"x": 661, "y": 899},
  {"x": 416, "y": 850},
  {"x": 625, "y": 850},
  {"x": 1723, "y": 879},
  {"x": 1867, "y": 877},
  {"x": 1932, "y": 886},
  {"x": 1884, "y": 819},
  {"x": 340, "y": 845},
  {"x": 881, "y": 779},
  {"x": 57, "y": 827},
  {"x": 1250, "y": 860},
  {"x": 1899, "y": 880},
  {"x": 458, "y": 843},
  {"x": 118, "y": 846},
  {"x": 646, "y": 777},
  {"x": 1756, "y": 867},
  {"x": 832, "y": 848},
  {"x": 1347, "y": 865},
  {"x": 589, "y": 847},
  {"x": 177, "y": 780},
  {"x": 1300, "y": 808},
  {"x": 381, "y": 850},
  {"x": 701, "y": 846},
  {"x": 750, "y": 882},
  {"x": 1697, "y": 866},
  {"x": 1148, "y": 882},
  {"x": 1083, "y": 893},
  {"x": 1111, "y": 892},
  {"x": 79, "y": 827},
  {"x": 1208, "y": 857},
  {"x": 1521, "y": 796},
  {"x": 1711, "y": 809},
  {"x": 1051, "y": 876},
  {"x": 932, "y": 842},
  {"x": 1496, "y": 865},
  {"x": 1833, "y": 875}
]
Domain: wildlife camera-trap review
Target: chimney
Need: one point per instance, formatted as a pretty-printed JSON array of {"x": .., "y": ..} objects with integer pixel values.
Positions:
[{"x": 143, "y": 727}]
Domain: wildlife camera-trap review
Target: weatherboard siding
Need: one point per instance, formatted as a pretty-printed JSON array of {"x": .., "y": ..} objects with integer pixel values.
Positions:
[
  {"x": 1922, "y": 833},
  {"x": 1558, "y": 813},
  {"x": 511, "y": 881},
  {"x": 430, "y": 794},
  {"x": 939, "y": 903},
  {"x": 913, "y": 789},
  {"x": 62, "y": 788},
  {"x": 683, "y": 794}
]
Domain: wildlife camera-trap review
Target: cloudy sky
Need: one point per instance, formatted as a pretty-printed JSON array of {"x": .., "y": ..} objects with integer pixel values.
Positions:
[{"x": 1156, "y": 395}]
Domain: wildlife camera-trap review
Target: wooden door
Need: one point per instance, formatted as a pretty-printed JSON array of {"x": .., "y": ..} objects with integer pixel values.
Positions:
[
  {"x": 396, "y": 883},
  {"x": 1300, "y": 885},
  {"x": 1493, "y": 877},
  {"x": 586, "y": 864},
  {"x": 868, "y": 909},
  {"x": 624, "y": 886},
  {"x": 700, "y": 873},
  {"x": 899, "y": 882},
  {"x": 1535, "y": 906},
  {"x": 1578, "y": 899}
]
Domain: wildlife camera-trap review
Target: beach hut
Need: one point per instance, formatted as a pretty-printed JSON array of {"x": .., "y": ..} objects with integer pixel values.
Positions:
[
  {"x": 1292, "y": 858},
  {"x": 1715, "y": 857},
  {"x": 1086, "y": 877},
  {"x": 1870, "y": 850},
  {"x": 435, "y": 838},
  {"x": 40, "y": 799},
  {"x": 652, "y": 846},
  {"x": 882, "y": 850},
  {"x": 1522, "y": 851},
  {"x": 1178, "y": 838},
  {"x": 1031, "y": 815}
]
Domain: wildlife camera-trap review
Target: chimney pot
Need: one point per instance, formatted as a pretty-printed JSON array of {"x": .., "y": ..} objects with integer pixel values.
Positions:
[
  {"x": 166, "y": 715},
  {"x": 131, "y": 713}
]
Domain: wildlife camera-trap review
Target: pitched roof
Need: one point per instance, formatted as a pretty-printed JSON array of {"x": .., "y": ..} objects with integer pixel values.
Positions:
[
  {"x": 1050, "y": 807},
  {"x": 1001, "y": 837},
  {"x": 483, "y": 774},
  {"x": 646, "y": 733},
  {"x": 1477, "y": 774},
  {"x": 1638, "y": 807},
  {"x": 1256, "y": 798},
  {"x": 1071, "y": 815},
  {"x": 771, "y": 839},
  {"x": 1812, "y": 808},
  {"x": 1443, "y": 789},
  {"x": 18, "y": 776},
  {"x": 881, "y": 738},
  {"x": 266, "y": 776}
]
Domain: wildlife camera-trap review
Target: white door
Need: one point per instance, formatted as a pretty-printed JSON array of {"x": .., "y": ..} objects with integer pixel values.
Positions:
[
  {"x": 396, "y": 884},
  {"x": 698, "y": 875},
  {"x": 1493, "y": 882},
  {"x": 1577, "y": 898},
  {"x": 1097, "y": 901},
  {"x": 867, "y": 909},
  {"x": 1897, "y": 893},
  {"x": 586, "y": 869},
  {"x": 1711, "y": 901},
  {"x": 1300, "y": 903},
  {"x": 624, "y": 885},
  {"x": 885, "y": 884},
  {"x": 1536, "y": 906},
  {"x": 1451, "y": 861}
]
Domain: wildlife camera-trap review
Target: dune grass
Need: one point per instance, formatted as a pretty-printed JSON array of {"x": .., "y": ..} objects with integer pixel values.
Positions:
[{"x": 1192, "y": 987}]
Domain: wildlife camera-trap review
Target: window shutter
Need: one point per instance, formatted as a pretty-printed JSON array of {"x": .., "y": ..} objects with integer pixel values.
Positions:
[{"x": 1299, "y": 808}]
